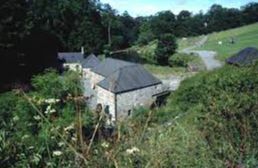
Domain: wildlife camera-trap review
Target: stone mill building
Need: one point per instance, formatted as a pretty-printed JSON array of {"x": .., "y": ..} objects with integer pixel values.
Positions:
[{"x": 118, "y": 86}]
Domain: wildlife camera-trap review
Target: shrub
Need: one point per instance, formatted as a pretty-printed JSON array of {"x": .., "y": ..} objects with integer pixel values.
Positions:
[{"x": 180, "y": 60}]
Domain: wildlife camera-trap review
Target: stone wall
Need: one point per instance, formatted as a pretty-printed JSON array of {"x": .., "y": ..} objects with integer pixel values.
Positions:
[
  {"x": 107, "y": 100},
  {"x": 93, "y": 78},
  {"x": 141, "y": 97},
  {"x": 86, "y": 73},
  {"x": 73, "y": 66}
]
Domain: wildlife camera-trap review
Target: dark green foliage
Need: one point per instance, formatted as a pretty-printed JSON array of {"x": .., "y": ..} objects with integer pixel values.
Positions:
[
  {"x": 166, "y": 47},
  {"x": 32, "y": 32},
  {"x": 250, "y": 13}
]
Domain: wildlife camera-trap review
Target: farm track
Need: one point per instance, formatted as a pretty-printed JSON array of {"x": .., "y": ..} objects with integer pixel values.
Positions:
[{"x": 208, "y": 57}]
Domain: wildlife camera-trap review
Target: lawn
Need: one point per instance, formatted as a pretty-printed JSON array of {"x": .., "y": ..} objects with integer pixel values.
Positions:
[{"x": 164, "y": 70}]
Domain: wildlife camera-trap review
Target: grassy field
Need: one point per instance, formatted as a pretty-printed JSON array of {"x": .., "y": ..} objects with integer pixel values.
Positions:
[{"x": 246, "y": 36}]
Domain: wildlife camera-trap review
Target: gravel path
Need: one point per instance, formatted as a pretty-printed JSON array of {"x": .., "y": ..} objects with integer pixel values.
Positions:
[
  {"x": 172, "y": 82},
  {"x": 208, "y": 57}
]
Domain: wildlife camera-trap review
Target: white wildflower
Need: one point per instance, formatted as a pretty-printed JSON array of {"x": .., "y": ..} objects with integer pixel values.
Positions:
[
  {"x": 74, "y": 139},
  {"x": 16, "y": 118},
  {"x": 57, "y": 153},
  {"x": 60, "y": 144},
  {"x": 105, "y": 145},
  {"x": 52, "y": 111},
  {"x": 52, "y": 101},
  {"x": 37, "y": 117},
  {"x": 132, "y": 150},
  {"x": 70, "y": 127},
  {"x": 49, "y": 164},
  {"x": 40, "y": 101},
  {"x": 52, "y": 129},
  {"x": 31, "y": 147},
  {"x": 48, "y": 109},
  {"x": 25, "y": 137},
  {"x": 36, "y": 158}
]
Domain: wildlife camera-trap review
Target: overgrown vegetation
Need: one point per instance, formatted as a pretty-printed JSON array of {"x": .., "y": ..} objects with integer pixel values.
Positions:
[
  {"x": 210, "y": 121},
  {"x": 41, "y": 128}
]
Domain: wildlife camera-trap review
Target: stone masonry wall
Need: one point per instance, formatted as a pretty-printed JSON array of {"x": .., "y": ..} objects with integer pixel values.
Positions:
[
  {"x": 141, "y": 97},
  {"x": 73, "y": 66},
  {"x": 106, "y": 99}
]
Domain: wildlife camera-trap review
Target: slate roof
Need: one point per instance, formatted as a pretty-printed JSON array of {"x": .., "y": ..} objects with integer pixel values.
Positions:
[
  {"x": 71, "y": 57},
  {"x": 90, "y": 62},
  {"x": 110, "y": 65},
  {"x": 126, "y": 77},
  {"x": 246, "y": 56}
]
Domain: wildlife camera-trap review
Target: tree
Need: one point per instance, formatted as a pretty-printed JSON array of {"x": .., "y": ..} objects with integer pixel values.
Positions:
[
  {"x": 163, "y": 22},
  {"x": 129, "y": 29},
  {"x": 182, "y": 24},
  {"x": 12, "y": 29},
  {"x": 108, "y": 19},
  {"x": 145, "y": 33},
  {"x": 166, "y": 47},
  {"x": 250, "y": 13}
]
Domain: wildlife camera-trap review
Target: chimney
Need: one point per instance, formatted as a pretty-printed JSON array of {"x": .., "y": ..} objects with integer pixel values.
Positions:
[{"x": 82, "y": 50}]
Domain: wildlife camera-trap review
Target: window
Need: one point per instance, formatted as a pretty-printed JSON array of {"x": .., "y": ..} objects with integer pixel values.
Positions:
[
  {"x": 107, "y": 109},
  {"x": 129, "y": 112}
]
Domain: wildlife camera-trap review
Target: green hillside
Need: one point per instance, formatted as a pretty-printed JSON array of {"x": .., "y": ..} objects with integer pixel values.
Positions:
[
  {"x": 246, "y": 36},
  {"x": 147, "y": 53}
]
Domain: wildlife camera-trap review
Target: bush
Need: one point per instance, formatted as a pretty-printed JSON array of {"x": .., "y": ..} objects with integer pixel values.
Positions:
[
  {"x": 180, "y": 60},
  {"x": 166, "y": 47}
]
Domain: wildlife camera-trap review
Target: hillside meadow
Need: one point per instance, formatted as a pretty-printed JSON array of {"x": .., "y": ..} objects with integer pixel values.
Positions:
[{"x": 246, "y": 36}]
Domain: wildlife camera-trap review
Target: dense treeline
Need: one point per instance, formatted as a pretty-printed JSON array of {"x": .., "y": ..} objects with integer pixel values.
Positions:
[{"x": 31, "y": 32}]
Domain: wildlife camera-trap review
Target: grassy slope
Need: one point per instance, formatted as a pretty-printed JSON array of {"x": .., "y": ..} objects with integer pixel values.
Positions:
[
  {"x": 244, "y": 37},
  {"x": 198, "y": 132}
]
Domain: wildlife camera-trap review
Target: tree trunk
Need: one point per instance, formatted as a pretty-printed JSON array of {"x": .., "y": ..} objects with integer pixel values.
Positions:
[{"x": 109, "y": 34}]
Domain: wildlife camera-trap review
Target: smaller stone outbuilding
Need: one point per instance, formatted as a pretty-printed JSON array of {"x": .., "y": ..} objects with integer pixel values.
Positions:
[
  {"x": 245, "y": 57},
  {"x": 88, "y": 64},
  {"x": 71, "y": 60}
]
